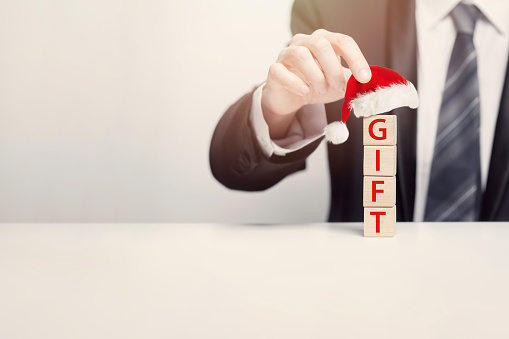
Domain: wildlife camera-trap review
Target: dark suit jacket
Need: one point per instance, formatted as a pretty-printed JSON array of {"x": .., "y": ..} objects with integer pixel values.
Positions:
[{"x": 387, "y": 36}]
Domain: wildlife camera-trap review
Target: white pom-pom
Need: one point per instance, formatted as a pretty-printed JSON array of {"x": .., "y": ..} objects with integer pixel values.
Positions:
[{"x": 336, "y": 132}]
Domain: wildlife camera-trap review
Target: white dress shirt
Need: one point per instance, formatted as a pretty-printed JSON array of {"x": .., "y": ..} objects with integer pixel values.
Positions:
[{"x": 436, "y": 35}]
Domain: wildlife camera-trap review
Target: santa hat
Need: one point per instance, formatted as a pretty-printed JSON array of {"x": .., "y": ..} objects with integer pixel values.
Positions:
[{"x": 385, "y": 91}]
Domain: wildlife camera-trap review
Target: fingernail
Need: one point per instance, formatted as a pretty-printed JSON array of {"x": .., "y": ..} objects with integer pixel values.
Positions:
[
  {"x": 304, "y": 90},
  {"x": 364, "y": 75}
]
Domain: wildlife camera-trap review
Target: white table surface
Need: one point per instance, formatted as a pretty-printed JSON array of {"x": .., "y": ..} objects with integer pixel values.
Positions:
[{"x": 253, "y": 281}]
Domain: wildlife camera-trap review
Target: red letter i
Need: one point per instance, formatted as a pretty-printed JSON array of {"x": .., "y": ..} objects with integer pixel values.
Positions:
[{"x": 378, "y": 160}]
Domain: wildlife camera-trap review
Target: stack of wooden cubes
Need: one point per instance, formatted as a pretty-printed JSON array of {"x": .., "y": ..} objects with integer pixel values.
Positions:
[{"x": 379, "y": 198}]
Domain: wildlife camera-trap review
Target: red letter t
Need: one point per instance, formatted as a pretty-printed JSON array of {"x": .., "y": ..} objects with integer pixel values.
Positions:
[{"x": 377, "y": 214}]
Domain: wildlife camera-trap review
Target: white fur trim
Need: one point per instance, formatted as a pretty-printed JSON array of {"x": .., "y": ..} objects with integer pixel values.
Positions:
[
  {"x": 385, "y": 99},
  {"x": 336, "y": 132}
]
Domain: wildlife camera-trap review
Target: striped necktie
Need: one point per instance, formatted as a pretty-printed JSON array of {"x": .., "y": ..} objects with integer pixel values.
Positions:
[{"x": 454, "y": 192}]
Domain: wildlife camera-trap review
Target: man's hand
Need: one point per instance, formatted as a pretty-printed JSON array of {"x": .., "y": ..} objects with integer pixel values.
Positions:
[{"x": 309, "y": 71}]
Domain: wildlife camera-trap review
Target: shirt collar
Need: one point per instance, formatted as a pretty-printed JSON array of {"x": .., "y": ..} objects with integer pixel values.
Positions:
[{"x": 495, "y": 11}]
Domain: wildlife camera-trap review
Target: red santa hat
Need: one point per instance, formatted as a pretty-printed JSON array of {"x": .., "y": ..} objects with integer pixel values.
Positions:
[{"x": 385, "y": 91}]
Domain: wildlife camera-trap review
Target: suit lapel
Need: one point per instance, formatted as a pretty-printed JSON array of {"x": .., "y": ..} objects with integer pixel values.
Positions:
[
  {"x": 498, "y": 177},
  {"x": 402, "y": 57}
]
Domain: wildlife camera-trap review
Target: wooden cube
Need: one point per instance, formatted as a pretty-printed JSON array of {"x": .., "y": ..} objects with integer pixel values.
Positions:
[
  {"x": 380, "y": 160},
  {"x": 380, "y": 130},
  {"x": 379, "y": 222},
  {"x": 379, "y": 191}
]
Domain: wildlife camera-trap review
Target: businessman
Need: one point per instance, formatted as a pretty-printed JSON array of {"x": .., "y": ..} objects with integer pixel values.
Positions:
[{"x": 453, "y": 153}]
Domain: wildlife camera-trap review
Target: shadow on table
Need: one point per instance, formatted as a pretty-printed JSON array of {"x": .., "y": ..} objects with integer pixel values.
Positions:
[{"x": 352, "y": 228}]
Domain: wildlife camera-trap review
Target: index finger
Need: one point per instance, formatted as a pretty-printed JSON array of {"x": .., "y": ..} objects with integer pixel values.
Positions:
[{"x": 347, "y": 48}]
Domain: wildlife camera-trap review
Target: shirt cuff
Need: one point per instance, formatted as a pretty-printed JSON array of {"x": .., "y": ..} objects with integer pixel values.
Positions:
[{"x": 307, "y": 127}]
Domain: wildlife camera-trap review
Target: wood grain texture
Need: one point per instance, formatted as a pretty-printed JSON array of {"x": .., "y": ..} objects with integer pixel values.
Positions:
[
  {"x": 379, "y": 191},
  {"x": 380, "y": 160},
  {"x": 380, "y": 130},
  {"x": 379, "y": 222}
]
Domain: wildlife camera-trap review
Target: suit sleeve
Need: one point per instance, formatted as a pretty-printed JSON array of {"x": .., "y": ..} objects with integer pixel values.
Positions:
[
  {"x": 236, "y": 159},
  {"x": 305, "y": 18}
]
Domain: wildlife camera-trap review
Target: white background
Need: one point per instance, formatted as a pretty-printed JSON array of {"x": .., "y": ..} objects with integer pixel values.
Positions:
[{"x": 107, "y": 109}]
